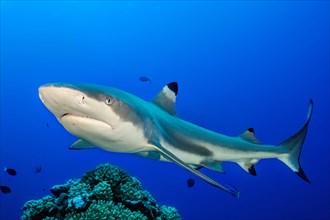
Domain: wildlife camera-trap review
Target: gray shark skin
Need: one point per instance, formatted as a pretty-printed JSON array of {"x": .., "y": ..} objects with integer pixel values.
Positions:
[{"x": 117, "y": 121}]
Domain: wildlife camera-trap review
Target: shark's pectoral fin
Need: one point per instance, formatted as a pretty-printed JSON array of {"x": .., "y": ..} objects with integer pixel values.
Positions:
[
  {"x": 213, "y": 165},
  {"x": 248, "y": 166},
  {"x": 248, "y": 135},
  {"x": 171, "y": 157},
  {"x": 81, "y": 145}
]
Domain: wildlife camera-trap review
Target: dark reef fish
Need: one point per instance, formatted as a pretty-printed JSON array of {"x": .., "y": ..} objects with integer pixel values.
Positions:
[
  {"x": 145, "y": 79},
  {"x": 5, "y": 189},
  {"x": 190, "y": 182},
  {"x": 10, "y": 171},
  {"x": 38, "y": 169}
]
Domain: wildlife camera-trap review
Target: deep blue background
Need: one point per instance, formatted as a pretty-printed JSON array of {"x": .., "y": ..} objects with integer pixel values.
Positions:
[{"x": 238, "y": 65}]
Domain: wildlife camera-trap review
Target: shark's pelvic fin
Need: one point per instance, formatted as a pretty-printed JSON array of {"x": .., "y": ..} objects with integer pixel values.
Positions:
[
  {"x": 213, "y": 165},
  {"x": 166, "y": 98},
  {"x": 248, "y": 135},
  {"x": 293, "y": 147},
  {"x": 196, "y": 167},
  {"x": 81, "y": 145},
  {"x": 171, "y": 157},
  {"x": 154, "y": 155}
]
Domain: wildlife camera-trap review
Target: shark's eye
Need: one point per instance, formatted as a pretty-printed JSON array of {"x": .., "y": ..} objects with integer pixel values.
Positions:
[
  {"x": 82, "y": 99},
  {"x": 109, "y": 101}
]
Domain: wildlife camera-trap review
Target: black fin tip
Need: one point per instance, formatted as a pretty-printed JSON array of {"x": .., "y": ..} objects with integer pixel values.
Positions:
[
  {"x": 302, "y": 175},
  {"x": 252, "y": 170},
  {"x": 173, "y": 86}
]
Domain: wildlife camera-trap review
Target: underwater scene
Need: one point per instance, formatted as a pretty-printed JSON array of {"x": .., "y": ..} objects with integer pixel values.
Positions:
[{"x": 165, "y": 110}]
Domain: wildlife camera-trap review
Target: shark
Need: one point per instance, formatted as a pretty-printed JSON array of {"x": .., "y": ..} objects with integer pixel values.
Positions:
[{"x": 118, "y": 121}]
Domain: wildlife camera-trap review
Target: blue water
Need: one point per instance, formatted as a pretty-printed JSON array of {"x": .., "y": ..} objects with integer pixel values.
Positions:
[{"x": 238, "y": 65}]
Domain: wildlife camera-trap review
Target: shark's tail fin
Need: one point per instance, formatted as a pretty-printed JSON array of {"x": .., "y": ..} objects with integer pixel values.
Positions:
[{"x": 293, "y": 146}]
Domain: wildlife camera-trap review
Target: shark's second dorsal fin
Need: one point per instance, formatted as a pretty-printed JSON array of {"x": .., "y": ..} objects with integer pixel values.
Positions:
[
  {"x": 248, "y": 135},
  {"x": 166, "y": 97}
]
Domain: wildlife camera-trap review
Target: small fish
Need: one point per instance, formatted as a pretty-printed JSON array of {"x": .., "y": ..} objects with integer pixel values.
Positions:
[
  {"x": 38, "y": 169},
  {"x": 10, "y": 171},
  {"x": 145, "y": 79},
  {"x": 190, "y": 182},
  {"x": 47, "y": 125},
  {"x": 5, "y": 189}
]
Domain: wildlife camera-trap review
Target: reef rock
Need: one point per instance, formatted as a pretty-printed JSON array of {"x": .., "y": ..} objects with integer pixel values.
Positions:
[{"x": 107, "y": 192}]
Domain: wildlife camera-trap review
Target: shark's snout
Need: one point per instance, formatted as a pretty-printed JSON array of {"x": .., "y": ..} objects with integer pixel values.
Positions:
[
  {"x": 40, "y": 96},
  {"x": 68, "y": 102},
  {"x": 44, "y": 93},
  {"x": 60, "y": 100}
]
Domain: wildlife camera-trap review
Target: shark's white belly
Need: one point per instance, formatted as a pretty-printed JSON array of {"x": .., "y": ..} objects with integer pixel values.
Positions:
[{"x": 124, "y": 137}]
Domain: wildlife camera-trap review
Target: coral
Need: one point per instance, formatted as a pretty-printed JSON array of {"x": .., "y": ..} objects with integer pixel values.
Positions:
[
  {"x": 106, "y": 192},
  {"x": 103, "y": 191},
  {"x": 77, "y": 202},
  {"x": 39, "y": 209},
  {"x": 168, "y": 212}
]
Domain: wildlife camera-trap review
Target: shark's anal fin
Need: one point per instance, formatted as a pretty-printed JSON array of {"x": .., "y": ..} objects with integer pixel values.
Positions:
[
  {"x": 171, "y": 157},
  {"x": 248, "y": 135},
  {"x": 248, "y": 166},
  {"x": 81, "y": 145},
  {"x": 166, "y": 98}
]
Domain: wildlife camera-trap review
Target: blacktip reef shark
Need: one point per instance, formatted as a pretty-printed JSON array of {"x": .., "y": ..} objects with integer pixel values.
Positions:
[{"x": 117, "y": 121}]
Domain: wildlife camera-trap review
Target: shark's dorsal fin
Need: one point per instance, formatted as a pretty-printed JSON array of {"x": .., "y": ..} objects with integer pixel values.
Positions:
[
  {"x": 166, "y": 97},
  {"x": 81, "y": 145},
  {"x": 248, "y": 135}
]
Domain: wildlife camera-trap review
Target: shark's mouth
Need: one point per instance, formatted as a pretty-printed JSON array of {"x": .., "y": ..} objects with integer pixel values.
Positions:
[{"x": 75, "y": 115}]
